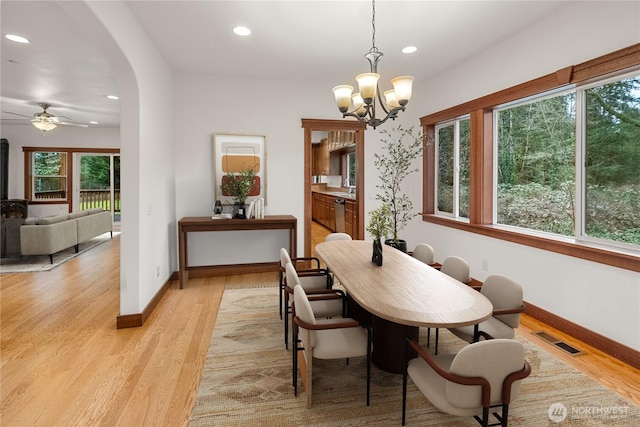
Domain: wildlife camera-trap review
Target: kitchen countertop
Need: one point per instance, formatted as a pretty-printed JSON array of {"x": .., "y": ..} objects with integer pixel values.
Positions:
[{"x": 341, "y": 193}]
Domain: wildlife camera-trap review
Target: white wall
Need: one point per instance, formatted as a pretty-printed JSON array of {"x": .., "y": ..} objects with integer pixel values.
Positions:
[
  {"x": 205, "y": 105},
  {"x": 147, "y": 255},
  {"x": 602, "y": 298}
]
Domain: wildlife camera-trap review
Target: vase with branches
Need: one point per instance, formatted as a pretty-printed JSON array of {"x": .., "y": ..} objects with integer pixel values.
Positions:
[
  {"x": 401, "y": 146},
  {"x": 379, "y": 227}
]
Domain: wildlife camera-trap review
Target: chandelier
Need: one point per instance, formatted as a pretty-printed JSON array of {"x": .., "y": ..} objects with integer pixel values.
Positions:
[{"x": 362, "y": 104}]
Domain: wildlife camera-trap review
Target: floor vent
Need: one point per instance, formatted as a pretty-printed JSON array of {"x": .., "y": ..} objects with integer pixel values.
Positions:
[{"x": 558, "y": 343}]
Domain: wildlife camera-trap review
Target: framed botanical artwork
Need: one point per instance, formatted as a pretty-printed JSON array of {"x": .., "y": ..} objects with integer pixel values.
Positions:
[{"x": 234, "y": 154}]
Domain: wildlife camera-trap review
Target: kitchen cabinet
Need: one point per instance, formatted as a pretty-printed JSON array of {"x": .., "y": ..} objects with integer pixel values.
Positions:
[
  {"x": 323, "y": 211},
  {"x": 323, "y": 162},
  {"x": 350, "y": 217},
  {"x": 339, "y": 140}
]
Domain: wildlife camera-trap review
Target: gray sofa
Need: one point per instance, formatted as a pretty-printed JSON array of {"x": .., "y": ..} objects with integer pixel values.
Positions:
[{"x": 51, "y": 234}]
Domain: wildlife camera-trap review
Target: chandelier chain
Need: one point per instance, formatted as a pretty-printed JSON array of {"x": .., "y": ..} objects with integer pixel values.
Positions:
[{"x": 373, "y": 26}]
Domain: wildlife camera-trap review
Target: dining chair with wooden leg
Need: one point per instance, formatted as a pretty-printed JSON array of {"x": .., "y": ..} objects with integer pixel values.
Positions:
[
  {"x": 481, "y": 379},
  {"x": 336, "y": 338},
  {"x": 311, "y": 278},
  {"x": 506, "y": 296}
]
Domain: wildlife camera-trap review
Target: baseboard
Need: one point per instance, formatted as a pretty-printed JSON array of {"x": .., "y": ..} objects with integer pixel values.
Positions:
[
  {"x": 231, "y": 269},
  {"x": 587, "y": 336},
  {"x": 137, "y": 319}
]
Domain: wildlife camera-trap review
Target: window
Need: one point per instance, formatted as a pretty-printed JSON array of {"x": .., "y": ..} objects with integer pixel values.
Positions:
[
  {"x": 535, "y": 170},
  {"x": 49, "y": 176},
  {"x": 552, "y": 162},
  {"x": 611, "y": 159},
  {"x": 351, "y": 168},
  {"x": 452, "y": 186}
]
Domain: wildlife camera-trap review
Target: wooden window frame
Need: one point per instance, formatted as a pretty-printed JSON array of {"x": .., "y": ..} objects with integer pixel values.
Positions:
[
  {"x": 481, "y": 195},
  {"x": 28, "y": 171}
]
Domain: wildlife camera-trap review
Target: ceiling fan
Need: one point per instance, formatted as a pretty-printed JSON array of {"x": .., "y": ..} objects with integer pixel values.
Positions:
[{"x": 46, "y": 121}]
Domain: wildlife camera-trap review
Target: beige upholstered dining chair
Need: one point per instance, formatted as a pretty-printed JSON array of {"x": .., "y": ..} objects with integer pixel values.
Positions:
[
  {"x": 455, "y": 267},
  {"x": 335, "y": 338},
  {"x": 479, "y": 379},
  {"x": 337, "y": 236},
  {"x": 311, "y": 278},
  {"x": 424, "y": 253},
  {"x": 506, "y": 296}
]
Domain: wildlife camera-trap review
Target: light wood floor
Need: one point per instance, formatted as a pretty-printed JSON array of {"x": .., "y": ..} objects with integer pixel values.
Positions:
[{"x": 64, "y": 363}]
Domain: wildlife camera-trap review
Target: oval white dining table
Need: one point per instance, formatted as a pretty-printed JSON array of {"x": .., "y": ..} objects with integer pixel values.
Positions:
[{"x": 401, "y": 295}]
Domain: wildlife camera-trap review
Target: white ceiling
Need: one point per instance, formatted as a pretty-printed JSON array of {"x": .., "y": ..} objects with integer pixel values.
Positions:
[{"x": 310, "y": 41}]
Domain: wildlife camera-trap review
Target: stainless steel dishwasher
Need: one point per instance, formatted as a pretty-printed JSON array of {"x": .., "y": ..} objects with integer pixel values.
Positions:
[{"x": 339, "y": 215}]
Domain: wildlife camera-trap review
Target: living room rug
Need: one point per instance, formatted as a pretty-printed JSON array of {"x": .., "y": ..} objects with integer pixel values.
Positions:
[
  {"x": 36, "y": 263},
  {"x": 247, "y": 382}
]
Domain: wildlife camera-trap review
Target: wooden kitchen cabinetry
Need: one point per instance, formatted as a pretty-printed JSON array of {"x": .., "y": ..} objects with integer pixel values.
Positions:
[
  {"x": 323, "y": 211},
  {"x": 351, "y": 218},
  {"x": 323, "y": 162}
]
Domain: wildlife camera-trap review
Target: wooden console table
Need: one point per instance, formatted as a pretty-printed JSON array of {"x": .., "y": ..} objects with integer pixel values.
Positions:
[{"x": 194, "y": 224}]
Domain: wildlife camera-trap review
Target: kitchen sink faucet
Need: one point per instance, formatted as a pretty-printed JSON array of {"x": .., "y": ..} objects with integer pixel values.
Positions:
[{"x": 351, "y": 188}]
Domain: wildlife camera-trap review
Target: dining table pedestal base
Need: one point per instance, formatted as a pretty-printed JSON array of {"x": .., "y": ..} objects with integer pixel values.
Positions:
[{"x": 388, "y": 344}]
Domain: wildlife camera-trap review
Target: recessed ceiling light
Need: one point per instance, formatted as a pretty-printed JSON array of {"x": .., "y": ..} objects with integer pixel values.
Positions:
[
  {"x": 242, "y": 31},
  {"x": 409, "y": 49},
  {"x": 16, "y": 38},
  {"x": 93, "y": 123},
  {"x": 113, "y": 97}
]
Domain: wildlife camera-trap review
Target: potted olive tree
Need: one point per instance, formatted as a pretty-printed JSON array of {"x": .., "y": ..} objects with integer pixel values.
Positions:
[
  {"x": 379, "y": 227},
  {"x": 238, "y": 186},
  {"x": 395, "y": 163}
]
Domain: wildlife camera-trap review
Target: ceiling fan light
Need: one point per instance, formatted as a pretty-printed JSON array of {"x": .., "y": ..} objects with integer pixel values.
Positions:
[
  {"x": 368, "y": 83},
  {"x": 402, "y": 86},
  {"x": 343, "y": 97},
  {"x": 44, "y": 125}
]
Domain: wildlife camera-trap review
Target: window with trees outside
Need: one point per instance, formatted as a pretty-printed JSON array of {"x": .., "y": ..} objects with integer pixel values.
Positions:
[
  {"x": 535, "y": 171},
  {"x": 536, "y": 168},
  {"x": 452, "y": 180},
  {"x": 49, "y": 176},
  {"x": 77, "y": 177},
  {"x": 351, "y": 168},
  {"x": 610, "y": 146},
  {"x": 550, "y": 163}
]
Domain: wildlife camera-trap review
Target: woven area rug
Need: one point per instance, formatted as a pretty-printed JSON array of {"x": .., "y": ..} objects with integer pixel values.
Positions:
[
  {"x": 35, "y": 263},
  {"x": 247, "y": 382}
]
